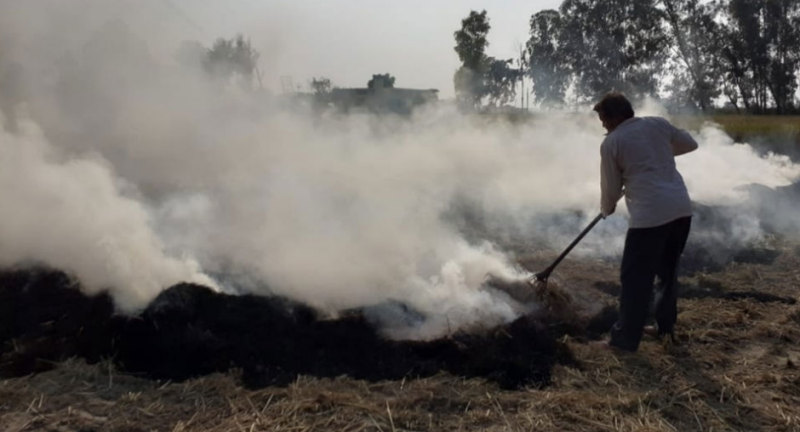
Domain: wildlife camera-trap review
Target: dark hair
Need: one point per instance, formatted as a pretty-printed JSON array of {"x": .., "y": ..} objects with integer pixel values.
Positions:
[{"x": 615, "y": 106}]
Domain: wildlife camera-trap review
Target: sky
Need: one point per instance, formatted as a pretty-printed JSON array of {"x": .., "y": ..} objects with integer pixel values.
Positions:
[{"x": 349, "y": 40}]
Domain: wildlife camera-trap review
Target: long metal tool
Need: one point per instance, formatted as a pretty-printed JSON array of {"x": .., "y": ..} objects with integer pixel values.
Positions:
[
  {"x": 553, "y": 297},
  {"x": 542, "y": 276}
]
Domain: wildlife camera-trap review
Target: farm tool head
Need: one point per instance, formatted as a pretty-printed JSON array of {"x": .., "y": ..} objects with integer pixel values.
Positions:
[{"x": 553, "y": 296}]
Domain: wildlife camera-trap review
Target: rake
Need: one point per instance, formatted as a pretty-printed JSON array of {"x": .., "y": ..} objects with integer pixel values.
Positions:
[{"x": 558, "y": 298}]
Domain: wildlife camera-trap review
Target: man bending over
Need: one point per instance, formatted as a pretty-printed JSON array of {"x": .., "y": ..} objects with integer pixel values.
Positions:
[{"x": 638, "y": 154}]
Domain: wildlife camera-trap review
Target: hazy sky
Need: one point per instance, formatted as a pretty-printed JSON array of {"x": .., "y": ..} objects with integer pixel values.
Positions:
[{"x": 349, "y": 40}]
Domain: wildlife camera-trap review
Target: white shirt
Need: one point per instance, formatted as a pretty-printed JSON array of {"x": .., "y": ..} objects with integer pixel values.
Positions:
[{"x": 640, "y": 155}]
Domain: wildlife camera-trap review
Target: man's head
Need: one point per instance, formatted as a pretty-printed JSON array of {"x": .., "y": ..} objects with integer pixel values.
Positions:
[{"x": 613, "y": 109}]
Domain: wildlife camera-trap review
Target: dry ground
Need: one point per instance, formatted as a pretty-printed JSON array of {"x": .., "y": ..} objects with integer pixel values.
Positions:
[{"x": 735, "y": 368}]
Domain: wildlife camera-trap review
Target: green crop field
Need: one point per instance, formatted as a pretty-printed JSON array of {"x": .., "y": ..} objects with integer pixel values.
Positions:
[
  {"x": 780, "y": 134},
  {"x": 777, "y": 133},
  {"x": 750, "y": 125}
]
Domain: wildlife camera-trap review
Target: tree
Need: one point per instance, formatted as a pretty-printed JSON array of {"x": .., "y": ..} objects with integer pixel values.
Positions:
[
  {"x": 613, "y": 45},
  {"x": 547, "y": 65},
  {"x": 321, "y": 86},
  {"x": 782, "y": 31},
  {"x": 381, "y": 81},
  {"x": 471, "y": 44},
  {"x": 481, "y": 76},
  {"x": 322, "y": 91},
  {"x": 573, "y": 46},
  {"x": 233, "y": 59},
  {"x": 500, "y": 83},
  {"x": 747, "y": 51},
  {"x": 695, "y": 67},
  {"x": 761, "y": 49},
  {"x": 698, "y": 50},
  {"x": 738, "y": 79},
  {"x": 759, "y": 45}
]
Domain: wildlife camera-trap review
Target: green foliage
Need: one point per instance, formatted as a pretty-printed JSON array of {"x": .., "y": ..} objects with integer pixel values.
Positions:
[
  {"x": 745, "y": 50},
  {"x": 760, "y": 46},
  {"x": 596, "y": 46},
  {"x": 471, "y": 42},
  {"x": 547, "y": 64},
  {"x": 780, "y": 134},
  {"x": 381, "y": 81},
  {"x": 782, "y": 28},
  {"x": 500, "y": 81},
  {"x": 695, "y": 68},
  {"x": 617, "y": 45},
  {"x": 481, "y": 77}
]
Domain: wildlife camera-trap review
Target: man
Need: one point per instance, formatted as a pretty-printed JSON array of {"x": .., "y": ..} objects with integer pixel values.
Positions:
[{"x": 638, "y": 154}]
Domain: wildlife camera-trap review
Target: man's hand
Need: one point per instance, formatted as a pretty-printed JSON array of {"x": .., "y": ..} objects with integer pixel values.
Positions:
[{"x": 606, "y": 212}]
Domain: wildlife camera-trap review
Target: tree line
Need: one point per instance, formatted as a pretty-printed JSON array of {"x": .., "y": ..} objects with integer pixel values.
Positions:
[{"x": 696, "y": 54}]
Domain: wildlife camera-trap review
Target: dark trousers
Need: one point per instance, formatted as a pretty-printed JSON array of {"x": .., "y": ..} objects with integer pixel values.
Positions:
[{"x": 649, "y": 252}]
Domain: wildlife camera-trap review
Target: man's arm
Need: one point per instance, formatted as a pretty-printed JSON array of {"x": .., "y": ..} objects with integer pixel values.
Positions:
[
  {"x": 610, "y": 179},
  {"x": 680, "y": 140}
]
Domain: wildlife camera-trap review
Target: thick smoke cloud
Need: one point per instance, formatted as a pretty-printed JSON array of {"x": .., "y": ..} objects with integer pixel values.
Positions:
[
  {"x": 128, "y": 167},
  {"x": 71, "y": 213}
]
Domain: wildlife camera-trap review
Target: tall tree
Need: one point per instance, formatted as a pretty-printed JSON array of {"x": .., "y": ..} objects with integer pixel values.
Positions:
[
  {"x": 547, "y": 63},
  {"x": 761, "y": 49},
  {"x": 748, "y": 39},
  {"x": 480, "y": 76},
  {"x": 500, "y": 81},
  {"x": 573, "y": 44},
  {"x": 738, "y": 81},
  {"x": 614, "y": 45},
  {"x": 471, "y": 40},
  {"x": 695, "y": 69},
  {"x": 471, "y": 44},
  {"x": 782, "y": 31}
]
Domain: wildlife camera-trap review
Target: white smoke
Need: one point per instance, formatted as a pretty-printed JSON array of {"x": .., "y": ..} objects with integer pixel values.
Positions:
[
  {"x": 129, "y": 168},
  {"x": 717, "y": 171},
  {"x": 70, "y": 213}
]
